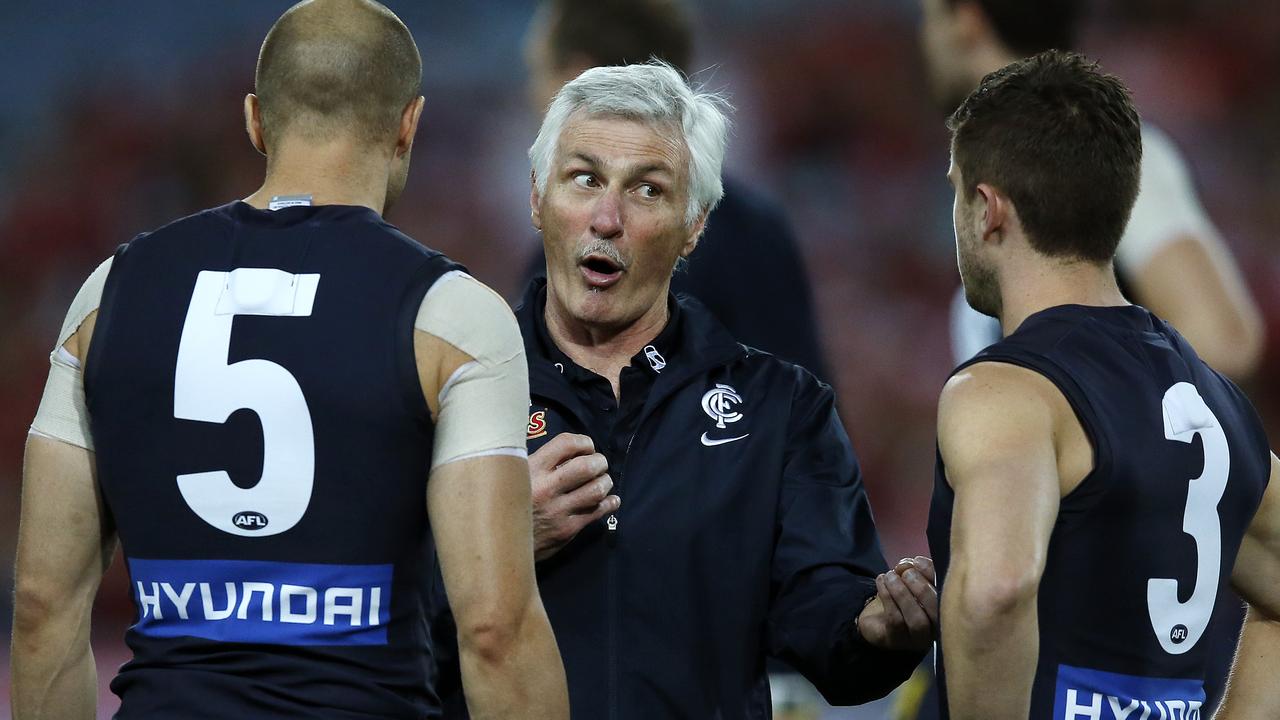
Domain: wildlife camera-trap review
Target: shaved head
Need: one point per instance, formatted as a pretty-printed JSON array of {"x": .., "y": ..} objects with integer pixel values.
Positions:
[{"x": 336, "y": 68}]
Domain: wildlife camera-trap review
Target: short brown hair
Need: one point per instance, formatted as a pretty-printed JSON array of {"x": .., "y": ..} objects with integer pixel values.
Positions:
[
  {"x": 336, "y": 66},
  {"x": 1063, "y": 141},
  {"x": 621, "y": 32}
]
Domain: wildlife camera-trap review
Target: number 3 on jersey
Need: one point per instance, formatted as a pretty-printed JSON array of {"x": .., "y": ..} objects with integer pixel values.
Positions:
[
  {"x": 1179, "y": 625},
  {"x": 208, "y": 389}
]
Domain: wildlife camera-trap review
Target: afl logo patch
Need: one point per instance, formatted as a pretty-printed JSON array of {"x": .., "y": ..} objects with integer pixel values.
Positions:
[
  {"x": 249, "y": 520},
  {"x": 537, "y": 425}
]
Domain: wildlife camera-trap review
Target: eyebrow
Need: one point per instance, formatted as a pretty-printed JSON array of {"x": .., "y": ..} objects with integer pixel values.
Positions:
[{"x": 632, "y": 172}]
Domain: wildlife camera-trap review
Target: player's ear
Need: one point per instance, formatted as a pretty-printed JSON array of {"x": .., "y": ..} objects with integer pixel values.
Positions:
[
  {"x": 409, "y": 125},
  {"x": 535, "y": 200},
  {"x": 995, "y": 211},
  {"x": 253, "y": 123}
]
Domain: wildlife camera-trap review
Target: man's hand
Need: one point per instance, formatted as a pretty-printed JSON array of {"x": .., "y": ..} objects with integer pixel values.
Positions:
[
  {"x": 570, "y": 490},
  {"x": 904, "y": 613}
]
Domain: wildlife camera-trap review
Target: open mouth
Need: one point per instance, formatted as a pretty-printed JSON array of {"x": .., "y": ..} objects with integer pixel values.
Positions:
[{"x": 600, "y": 271}]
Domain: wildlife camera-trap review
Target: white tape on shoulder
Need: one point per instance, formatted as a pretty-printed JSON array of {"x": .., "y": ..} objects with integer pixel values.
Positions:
[
  {"x": 86, "y": 301},
  {"x": 62, "y": 413},
  {"x": 482, "y": 409},
  {"x": 465, "y": 313}
]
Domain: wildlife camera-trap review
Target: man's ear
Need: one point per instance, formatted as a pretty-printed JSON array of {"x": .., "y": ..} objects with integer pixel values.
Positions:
[
  {"x": 994, "y": 219},
  {"x": 253, "y": 123},
  {"x": 535, "y": 200},
  {"x": 695, "y": 235},
  {"x": 409, "y": 125}
]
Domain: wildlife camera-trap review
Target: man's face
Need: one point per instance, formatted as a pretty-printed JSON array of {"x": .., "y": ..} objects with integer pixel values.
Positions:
[
  {"x": 977, "y": 272},
  {"x": 613, "y": 218},
  {"x": 944, "y": 61}
]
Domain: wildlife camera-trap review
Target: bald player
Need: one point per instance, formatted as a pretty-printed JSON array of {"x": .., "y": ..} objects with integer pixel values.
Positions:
[{"x": 279, "y": 407}]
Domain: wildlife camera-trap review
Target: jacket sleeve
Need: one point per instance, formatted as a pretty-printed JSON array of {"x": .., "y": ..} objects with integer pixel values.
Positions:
[{"x": 826, "y": 559}]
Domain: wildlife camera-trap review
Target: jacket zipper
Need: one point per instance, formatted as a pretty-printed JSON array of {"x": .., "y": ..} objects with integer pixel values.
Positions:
[{"x": 611, "y": 538}]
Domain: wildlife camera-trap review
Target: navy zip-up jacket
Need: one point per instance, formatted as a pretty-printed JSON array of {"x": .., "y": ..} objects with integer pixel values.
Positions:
[{"x": 744, "y": 530}]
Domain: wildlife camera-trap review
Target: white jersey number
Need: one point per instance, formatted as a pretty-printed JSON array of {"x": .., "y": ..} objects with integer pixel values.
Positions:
[
  {"x": 1179, "y": 625},
  {"x": 208, "y": 389}
]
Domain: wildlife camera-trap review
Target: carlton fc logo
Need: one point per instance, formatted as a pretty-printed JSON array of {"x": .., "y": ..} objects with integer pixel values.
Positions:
[
  {"x": 719, "y": 403},
  {"x": 537, "y": 425}
]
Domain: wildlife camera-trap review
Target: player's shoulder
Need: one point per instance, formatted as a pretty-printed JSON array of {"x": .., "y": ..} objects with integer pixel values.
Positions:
[
  {"x": 215, "y": 219},
  {"x": 995, "y": 388},
  {"x": 471, "y": 316}
]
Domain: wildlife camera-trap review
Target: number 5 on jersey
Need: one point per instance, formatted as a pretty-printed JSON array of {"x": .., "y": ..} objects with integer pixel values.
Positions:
[{"x": 208, "y": 389}]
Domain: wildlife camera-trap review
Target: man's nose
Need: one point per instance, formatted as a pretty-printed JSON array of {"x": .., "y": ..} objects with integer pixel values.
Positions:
[{"x": 606, "y": 216}]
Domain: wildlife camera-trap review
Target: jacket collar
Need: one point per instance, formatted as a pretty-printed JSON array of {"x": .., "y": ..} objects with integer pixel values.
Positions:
[{"x": 692, "y": 343}]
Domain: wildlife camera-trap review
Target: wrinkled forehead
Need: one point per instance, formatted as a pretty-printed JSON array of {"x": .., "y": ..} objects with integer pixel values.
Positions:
[{"x": 621, "y": 142}]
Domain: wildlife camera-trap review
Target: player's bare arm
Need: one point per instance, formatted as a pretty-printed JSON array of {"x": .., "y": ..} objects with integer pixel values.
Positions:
[
  {"x": 1194, "y": 283},
  {"x": 478, "y": 498},
  {"x": 65, "y": 543},
  {"x": 1252, "y": 691},
  {"x": 1008, "y": 439}
]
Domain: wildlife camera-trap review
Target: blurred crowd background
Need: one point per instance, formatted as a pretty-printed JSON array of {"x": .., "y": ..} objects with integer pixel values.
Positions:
[{"x": 118, "y": 117}]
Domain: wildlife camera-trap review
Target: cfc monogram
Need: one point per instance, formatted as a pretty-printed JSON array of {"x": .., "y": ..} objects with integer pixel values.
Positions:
[{"x": 719, "y": 402}]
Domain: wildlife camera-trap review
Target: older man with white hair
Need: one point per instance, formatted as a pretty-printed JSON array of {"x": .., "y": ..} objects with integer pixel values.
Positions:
[{"x": 697, "y": 504}]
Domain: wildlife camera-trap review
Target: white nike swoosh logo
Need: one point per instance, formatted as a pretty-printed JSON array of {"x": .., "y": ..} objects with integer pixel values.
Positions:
[{"x": 712, "y": 443}]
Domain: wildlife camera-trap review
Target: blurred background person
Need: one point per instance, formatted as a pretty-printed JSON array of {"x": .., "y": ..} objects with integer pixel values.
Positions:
[
  {"x": 1172, "y": 259},
  {"x": 747, "y": 268},
  {"x": 833, "y": 118}
]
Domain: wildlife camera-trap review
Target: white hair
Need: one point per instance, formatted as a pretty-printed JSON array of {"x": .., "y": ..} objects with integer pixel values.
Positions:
[{"x": 654, "y": 93}]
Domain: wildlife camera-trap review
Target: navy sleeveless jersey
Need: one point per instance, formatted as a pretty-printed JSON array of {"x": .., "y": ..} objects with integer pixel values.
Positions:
[
  {"x": 263, "y": 448},
  {"x": 1143, "y": 548}
]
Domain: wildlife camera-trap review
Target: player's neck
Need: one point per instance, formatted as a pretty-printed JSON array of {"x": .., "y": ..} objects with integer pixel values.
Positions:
[
  {"x": 604, "y": 350},
  {"x": 332, "y": 174},
  {"x": 1051, "y": 283}
]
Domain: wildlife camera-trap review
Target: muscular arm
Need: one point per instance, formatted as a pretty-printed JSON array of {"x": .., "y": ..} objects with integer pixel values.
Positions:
[
  {"x": 478, "y": 499},
  {"x": 481, "y": 520},
  {"x": 996, "y": 428},
  {"x": 1194, "y": 284},
  {"x": 65, "y": 543},
  {"x": 1252, "y": 691},
  {"x": 1179, "y": 267}
]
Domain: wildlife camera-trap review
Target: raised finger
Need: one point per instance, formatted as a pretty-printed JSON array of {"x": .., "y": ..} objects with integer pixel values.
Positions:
[
  {"x": 925, "y": 593},
  {"x": 587, "y": 496},
  {"x": 917, "y": 622},
  {"x": 579, "y": 471},
  {"x": 559, "y": 449},
  {"x": 926, "y": 568}
]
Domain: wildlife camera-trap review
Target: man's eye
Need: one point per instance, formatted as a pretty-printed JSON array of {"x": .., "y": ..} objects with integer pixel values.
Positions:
[
  {"x": 650, "y": 191},
  {"x": 584, "y": 179}
]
